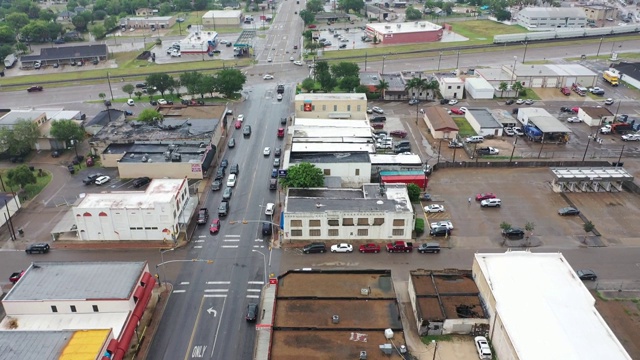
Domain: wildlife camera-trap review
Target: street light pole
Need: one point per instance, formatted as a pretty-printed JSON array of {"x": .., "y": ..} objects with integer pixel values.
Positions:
[
  {"x": 162, "y": 261},
  {"x": 598, "y": 53},
  {"x": 513, "y": 72},
  {"x": 264, "y": 261},
  {"x": 439, "y": 58},
  {"x": 514, "y": 149},
  {"x": 384, "y": 57},
  {"x": 526, "y": 43}
]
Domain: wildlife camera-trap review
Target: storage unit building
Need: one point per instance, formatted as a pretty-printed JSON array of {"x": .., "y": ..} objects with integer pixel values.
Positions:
[
  {"x": 483, "y": 122},
  {"x": 479, "y": 88}
]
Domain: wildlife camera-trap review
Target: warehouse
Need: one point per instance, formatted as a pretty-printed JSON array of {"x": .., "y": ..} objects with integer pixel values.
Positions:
[
  {"x": 404, "y": 33},
  {"x": 213, "y": 18},
  {"x": 483, "y": 122},
  {"x": 557, "y": 305},
  {"x": 66, "y": 55},
  {"x": 479, "y": 88},
  {"x": 148, "y": 22},
  {"x": 539, "y": 76}
]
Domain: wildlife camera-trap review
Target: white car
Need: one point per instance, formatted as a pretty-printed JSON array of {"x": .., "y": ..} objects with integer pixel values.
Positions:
[
  {"x": 369, "y": 111},
  {"x": 483, "y": 348},
  {"x": 378, "y": 110},
  {"x": 342, "y": 248},
  {"x": 269, "y": 209},
  {"x": 231, "y": 181},
  {"x": 609, "y": 101},
  {"x": 447, "y": 223},
  {"x": 573, "y": 119},
  {"x": 130, "y": 102},
  {"x": 631, "y": 137},
  {"x": 520, "y": 101},
  {"x": 269, "y": 60},
  {"x": 240, "y": 118},
  {"x": 509, "y": 131},
  {"x": 266, "y": 151},
  {"x": 297, "y": 62},
  {"x": 605, "y": 129},
  {"x": 162, "y": 102},
  {"x": 279, "y": 97},
  {"x": 291, "y": 58},
  {"x": 267, "y": 77},
  {"x": 463, "y": 109},
  {"x": 518, "y": 131},
  {"x": 102, "y": 180},
  {"x": 453, "y": 102},
  {"x": 434, "y": 208}
]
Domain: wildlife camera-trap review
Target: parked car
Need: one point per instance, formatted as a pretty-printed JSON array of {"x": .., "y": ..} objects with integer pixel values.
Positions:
[
  {"x": 314, "y": 248},
  {"x": 238, "y": 124},
  {"x": 509, "y": 131},
  {"x": 434, "y": 208},
  {"x": 232, "y": 143},
  {"x": 430, "y": 247},
  {"x": 269, "y": 209},
  {"x": 215, "y": 186},
  {"x": 398, "y": 133},
  {"x": 277, "y": 152},
  {"x": 268, "y": 77},
  {"x": 487, "y": 151},
  {"x": 203, "y": 216},
  {"x": 453, "y": 102},
  {"x": 455, "y": 144},
  {"x": 377, "y": 110},
  {"x": 220, "y": 173},
  {"x": 491, "y": 203},
  {"x": 631, "y": 137},
  {"x": 586, "y": 274},
  {"x": 102, "y": 180},
  {"x": 519, "y": 101},
  {"x": 227, "y": 193},
  {"x": 566, "y": 109},
  {"x": 456, "y": 111},
  {"x": 266, "y": 151},
  {"x": 235, "y": 169},
  {"x": 39, "y": 248},
  {"x": 518, "y": 131},
  {"x": 509, "y": 102},
  {"x": 483, "y": 348},
  {"x": 276, "y": 162},
  {"x": 513, "y": 233},
  {"x": 214, "y": 228},
  {"x": 342, "y": 248},
  {"x": 252, "y": 312},
  {"x": 413, "y": 101},
  {"x": 573, "y": 119},
  {"x": 484, "y": 196},
  {"x": 231, "y": 181},
  {"x": 569, "y": 210},
  {"x": 609, "y": 101},
  {"x": 565, "y": 91},
  {"x": 529, "y": 102},
  {"x": 446, "y": 223},
  {"x": 141, "y": 181},
  {"x": 90, "y": 179},
  {"x": 370, "y": 248},
  {"x": 246, "y": 131},
  {"x": 440, "y": 231}
]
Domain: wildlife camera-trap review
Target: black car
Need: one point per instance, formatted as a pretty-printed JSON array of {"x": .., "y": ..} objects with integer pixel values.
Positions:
[
  {"x": 314, "y": 248},
  {"x": 343, "y": 46},
  {"x": 513, "y": 233},
  {"x": 509, "y": 102},
  {"x": 215, "y": 186},
  {"x": 283, "y": 121},
  {"x": 566, "y": 109},
  {"x": 40, "y": 248},
  {"x": 71, "y": 169},
  {"x": 224, "y": 163},
  {"x": 277, "y": 152},
  {"x": 266, "y": 228},
  {"x": 565, "y": 211},
  {"x": 378, "y": 119},
  {"x": 274, "y": 173},
  {"x": 141, "y": 85},
  {"x": 252, "y": 312},
  {"x": 141, "y": 181},
  {"x": 226, "y": 195},
  {"x": 444, "y": 101},
  {"x": 440, "y": 231},
  {"x": 515, "y": 111},
  {"x": 246, "y": 131},
  {"x": 55, "y": 154},
  {"x": 153, "y": 102},
  {"x": 220, "y": 173},
  {"x": 433, "y": 248},
  {"x": 587, "y": 274},
  {"x": 91, "y": 178},
  {"x": 235, "y": 169}
]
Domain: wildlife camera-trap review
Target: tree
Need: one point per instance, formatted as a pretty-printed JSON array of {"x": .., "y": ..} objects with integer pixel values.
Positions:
[
  {"x": 529, "y": 226},
  {"x": 503, "y": 87},
  {"x": 150, "y": 91},
  {"x": 161, "y": 81},
  {"x": 17, "y": 20},
  {"x": 348, "y": 5},
  {"x": 66, "y": 130},
  {"x": 7, "y": 35},
  {"x": 414, "y": 192},
  {"x": 308, "y": 84},
  {"x": 416, "y": 84},
  {"x": 5, "y": 50},
  {"x": 79, "y": 22},
  {"x": 230, "y": 81},
  {"x": 99, "y": 14},
  {"x": 98, "y": 31},
  {"x": 413, "y": 13},
  {"x": 190, "y": 81},
  {"x": 129, "y": 89},
  {"x": 110, "y": 23},
  {"x": 20, "y": 176},
  {"x": 343, "y": 69},
  {"x": 503, "y": 15},
  {"x": 102, "y": 96},
  {"x": 303, "y": 175},
  {"x": 517, "y": 87},
  {"x": 588, "y": 227},
  {"x": 505, "y": 226},
  {"x": 138, "y": 94},
  {"x": 149, "y": 115},
  {"x": 19, "y": 139},
  {"x": 36, "y": 31},
  {"x": 307, "y": 17},
  {"x": 382, "y": 87},
  {"x": 350, "y": 83},
  {"x": 323, "y": 75},
  {"x": 315, "y": 6}
]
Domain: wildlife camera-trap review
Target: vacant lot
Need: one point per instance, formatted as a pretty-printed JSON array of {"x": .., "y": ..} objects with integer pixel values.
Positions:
[{"x": 484, "y": 29}]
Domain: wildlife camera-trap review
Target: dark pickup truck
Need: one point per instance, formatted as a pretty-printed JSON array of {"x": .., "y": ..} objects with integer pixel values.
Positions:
[
  {"x": 203, "y": 216},
  {"x": 399, "y": 246}
]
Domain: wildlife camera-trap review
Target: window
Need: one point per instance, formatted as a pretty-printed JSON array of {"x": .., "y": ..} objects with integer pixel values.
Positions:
[
  {"x": 302, "y": 108},
  {"x": 398, "y": 222},
  {"x": 334, "y": 232},
  {"x": 348, "y": 107},
  {"x": 95, "y": 308},
  {"x": 358, "y": 108},
  {"x": 314, "y": 223},
  {"x": 54, "y": 308},
  {"x": 363, "y": 232},
  {"x": 449, "y": 87},
  {"x": 357, "y": 172},
  {"x": 347, "y": 222},
  {"x": 314, "y": 232},
  {"x": 73, "y": 308},
  {"x": 327, "y": 172},
  {"x": 324, "y": 107},
  {"x": 335, "y": 107},
  {"x": 363, "y": 221},
  {"x": 399, "y": 232},
  {"x": 296, "y": 223},
  {"x": 333, "y": 223},
  {"x": 378, "y": 221},
  {"x": 296, "y": 232}
]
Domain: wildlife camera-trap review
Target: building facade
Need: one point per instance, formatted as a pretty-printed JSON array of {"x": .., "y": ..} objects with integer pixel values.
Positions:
[
  {"x": 353, "y": 169},
  {"x": 479, "y": 88},
  {"x": 538, "y": 18},
  {"x": 595, "y": 115},
  {"x": 133, "y": 215},
  {"x": 440, "y": 123},
  {"x": 451, "y": 87},
  {"x": 331, "y": 106},
  {"x": 404, "y": 33},
  {"x": 372, "y": 213},
  {"x": 213, "y": 18},
  {"x": 600, "y": 12},
  {"x": 148, "y": 22}
]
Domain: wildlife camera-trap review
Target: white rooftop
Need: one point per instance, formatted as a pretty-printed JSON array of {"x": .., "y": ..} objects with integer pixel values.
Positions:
[
  {"x": 479, "y": 83},
  {"x": 405, "y": 27},
  {"x": 544, "y": 306},
  {"x": 326, "y": 132},
  {"x": 73, "y": 321},
  {"x": 332, "y": 123},
  {"x": 331, "y": 97},
  {"x": 388, "y": 159},
  {"x": 158, "y": 191},
  {"x": 333, "y": 147},
  {"x": 222, "y": 14},
  {"x": 151, "y": 18}
]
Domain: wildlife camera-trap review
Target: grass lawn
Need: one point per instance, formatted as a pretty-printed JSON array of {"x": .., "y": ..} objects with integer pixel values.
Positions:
[
  {"x": 484, "y": 29},
  {"x": 31, "y": 190},
  {"x": 464, "y": 127},
  {"x": 530, "y": 95}
]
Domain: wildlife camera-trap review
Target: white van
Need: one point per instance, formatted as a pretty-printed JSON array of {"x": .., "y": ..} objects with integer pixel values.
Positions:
[{"x": 475, "y": 139}]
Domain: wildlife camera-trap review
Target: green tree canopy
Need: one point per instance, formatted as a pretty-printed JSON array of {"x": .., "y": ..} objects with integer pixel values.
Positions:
[
  {"x": 20, "y": 176},
  {"x": 315, "y": 6},
  {"x": 349, "y": 5},
  {"x": 308, "y": 84},
  {"x": 413, "y": 13},
  {"x": 414, "y": 192},
  {"x": 98, "y": 31},
  {"x": 230, "y": 81},
  {"x": 349, "y": 83},
  {"x": 129, "y": 89},
  {"x": 303, "y": 175},
  {"x": 19, "y": 139},
  {"x": 344, "y": 68},
  {"x": 149, "y": 115},
  {"x": 17, "y": 20},
  {"x": 307, "y": 16},
  {"x": 66, "y": 130},
  {"x": 79, "y": 22},
  {"x": 7, "y": 35},
  {"x": 161, "y": 81}
]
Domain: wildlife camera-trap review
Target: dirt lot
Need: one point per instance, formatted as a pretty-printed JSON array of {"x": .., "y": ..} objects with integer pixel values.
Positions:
[
  {"x": 337, "y": 285},
  {"x": 623, "y": 317}
]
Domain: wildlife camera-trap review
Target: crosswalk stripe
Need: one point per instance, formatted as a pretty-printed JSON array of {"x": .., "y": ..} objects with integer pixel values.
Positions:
[
  {"x": 232, "y": 235},
  {"x": 216, "y": 290},
  {"x": 229, "y": 246},
  {"x": 202, "y": 236},
  {"x": 253, "y": 296},
  {"x": 256, "y": 282},
  {"x": 184, "y": 283},
  {"x": 218, "y": 282},
  {"x": 198, "y": 247},
  {"x": 178, "y": 291},
  {"x": 232, "y": 240},
  {"x": 215, "y": 295},
  {"x": 253, "y": 290}
]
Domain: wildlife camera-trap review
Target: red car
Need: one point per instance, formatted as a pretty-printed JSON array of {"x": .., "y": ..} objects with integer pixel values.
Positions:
[
  {"x": 377, "y": 126},
  {"x": 370, "y": 248},
  {"x": 215, "y": 226},
  {"x": 238, "y": 124},
  {"x": 312, "y": 26},
  {"x": 485, "y": 196},
  {"x": 399, "y": 133},
  {"x": 456, "y": 111}
]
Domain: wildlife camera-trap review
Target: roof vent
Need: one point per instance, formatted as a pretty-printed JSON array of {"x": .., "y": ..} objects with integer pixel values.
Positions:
[
  {"x": 335, "y": 319},
  {"x": 363, "y": 355},
  {"x": 365, "y": 291},
  {"x": 380, "y": 202}
]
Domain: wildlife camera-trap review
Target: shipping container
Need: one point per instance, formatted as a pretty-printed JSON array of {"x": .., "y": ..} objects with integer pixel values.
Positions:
[{"x": 420, "y": 180}]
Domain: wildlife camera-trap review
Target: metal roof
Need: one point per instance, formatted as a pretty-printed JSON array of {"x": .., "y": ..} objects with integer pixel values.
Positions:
[
  {"x": 602, "y": 174},
  {"x": 20, "y": 345},
  {"x": 245, "y": 39},
  {"x": 485, "y": 118},
  {"x": 68, "y": 52},
  {"x": 77, "y": 281},
  {"x": 329, "y": 158}
]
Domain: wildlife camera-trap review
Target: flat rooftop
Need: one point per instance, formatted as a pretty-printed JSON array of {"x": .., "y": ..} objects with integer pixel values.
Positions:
[
  {"x": 158, "y": 191},
  {"x": 329, "y": 158},
  {"x": 331, "y": 147},
  {"x": 331, "y": 97},
  {"x": 405, "y": 27},
  {"x": 331, "y": 132},
  {"x": 369, "y": 78},
  {"x": 557, "y": 304},
  {"x": 403, "y": 160},
  {"x": 158, "y": 152},
  {"x": 394, "y": 199},
  {"x": 544, "y": 121},
  {"x": 331, "y": 123},
  {"x": 61, "y": 344},
  {"x": 14, "y": 116},
  {"x": 91, "y": 280},
  {"x": 485, "y": 118}
]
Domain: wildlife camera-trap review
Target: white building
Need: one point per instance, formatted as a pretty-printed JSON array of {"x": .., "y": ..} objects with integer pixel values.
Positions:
[
  {"x": 548, "y": 18},
  {"x": 595, "y": 115},
  {"x": 331, "y": 106},
  {"x": 351, "y": 169},
  {"x": 483, "y": 122},
  {"x": 451, "y": 87},
  {"x": 213, "y": 18},
  {"x": 103, "y": 299},
  {"x": 370, "y": 213},
  {"x": 198, "y": 42},
  {"x": 528, "y": 294},
  {"x": 479, "y": 88},
  {"x": 153, "y": 214}
]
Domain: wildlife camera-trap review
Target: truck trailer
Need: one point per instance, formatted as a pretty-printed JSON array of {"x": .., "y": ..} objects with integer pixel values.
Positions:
[{"x": 10, "y": 60}]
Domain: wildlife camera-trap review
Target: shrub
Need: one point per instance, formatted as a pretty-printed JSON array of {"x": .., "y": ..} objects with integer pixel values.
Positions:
[{"x": 419, "y": 225}]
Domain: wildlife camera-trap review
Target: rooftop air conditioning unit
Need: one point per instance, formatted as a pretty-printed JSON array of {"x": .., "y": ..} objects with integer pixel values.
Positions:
[
  {"x": 399, "y": 25},
  {"x": 335, "y": 319},
  {"x": 363, "y": 355}
]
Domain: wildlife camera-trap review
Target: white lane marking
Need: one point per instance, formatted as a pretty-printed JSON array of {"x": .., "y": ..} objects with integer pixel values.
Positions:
[
  {"x": 215, "y": 295},
  {"x": 256, "y": 282},
  {"x": 253, "y": 290},
  {"x": 253, "y": 296},
  {"x": 199, "y": 241},
  {"x": 218, "y": 282},
  {"x": 198, "y": 247},
  {"x": 185, "y": 283},
  {"x": 260, "y": 240},
  {"x": 232, "y": 235},
  {"x": 216, "y": 290},
  {"x": 232, "y": 240},
  {"x": 229, "y": 246},
  {"x": 178, "y": 291},
  {"x": 202, "y": 236}
]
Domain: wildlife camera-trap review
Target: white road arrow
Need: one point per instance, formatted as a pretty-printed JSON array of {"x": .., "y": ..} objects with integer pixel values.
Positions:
[{"x": 210, "y": 310}]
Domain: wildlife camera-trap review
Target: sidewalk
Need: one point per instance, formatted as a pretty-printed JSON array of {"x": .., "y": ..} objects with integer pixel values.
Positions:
[{"x": 151, "y": 318}]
